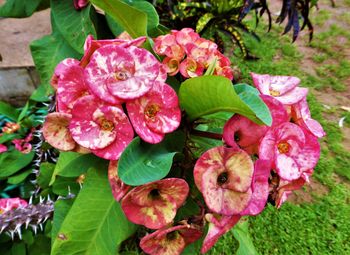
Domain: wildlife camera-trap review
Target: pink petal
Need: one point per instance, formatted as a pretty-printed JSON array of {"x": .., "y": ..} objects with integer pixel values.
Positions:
[
  {"x": 189, "y": 68},
  {"x": 3, "y": 148},
  {"x": 71, "y": 86},
  {"x": 283, "y": 84},
  {"x": 218, "y": 226},
  {"x": 310, "y": 153},
  {"x": 261, "y": 82},
  {"x": 56, "y": 132},
  {"x": 278, "y": 112},
  {"x": 8, "y": 204},
  {"x": 286, "y": 189},
  {"x": 146, "y": 71},
  {"x": 185, "y": 36},
  {"x": 119, "y": 188},
  {"x": 61, "y": 69},
  {"x": 267, "y": 147},
  {"x": 154, "y": 205},
  {"x": 293, "y": 96},
  {"x": 260, "y": 188},
  {"x": 86, "y": 128},
  {"x": 287, "y": 167}
]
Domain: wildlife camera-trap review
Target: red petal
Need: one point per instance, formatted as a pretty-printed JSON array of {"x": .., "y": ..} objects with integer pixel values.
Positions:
[{"x": 119, "y": 188}]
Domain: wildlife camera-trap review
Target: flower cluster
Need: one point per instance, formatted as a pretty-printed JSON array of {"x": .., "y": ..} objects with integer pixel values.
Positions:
[
  {"x": 232, "y": 184},
  {"x": 186, "y": 52},
  {"x": 23, "y": 145},
  {"x": 93, "y": 93}
]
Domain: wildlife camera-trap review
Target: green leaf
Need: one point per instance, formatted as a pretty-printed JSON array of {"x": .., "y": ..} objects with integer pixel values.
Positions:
[
  {"x": 64, "y": 186},
  {"x": 241, "y": 233},
  {"x": 18, "y": 178},
  {"x": 45, "y": 174},
  {"x": 73, "y": 25},
  {"x": 62, "y": 208},
  {"x": 149, "y": 10},
  {"x": 9, "y": 111},
  {"x": 19, "y": 8},
  {"x": 209, "y": 94},
  {"x": 13, "y": 161},
  {"x": 23, "y": 112},
  {"x": 242, "y": 87},
  {"x": 18, "y": 249},
  {"x": 8, "y": 137},
  {"x": 95, "y": 224},
  {"x": 73, "y": 164},
  {"x": 131, "y": 19},
  {"x": 40, "y": 94},
  {"x": 142, "y": 162},
  {"x": 41, "y": 246},
  {"x": 257, "y": 105},
  {"x": 47, "y": 52}
]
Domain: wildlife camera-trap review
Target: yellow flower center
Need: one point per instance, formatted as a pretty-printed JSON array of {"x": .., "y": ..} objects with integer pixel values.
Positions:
[
  {"x": 274, "y": 93},
  {"x": 105, "y": 124},
  {"x": 152, "y": 110},
  {"x": 283, "y": 147},
  {"x": 121, "y": 75}
]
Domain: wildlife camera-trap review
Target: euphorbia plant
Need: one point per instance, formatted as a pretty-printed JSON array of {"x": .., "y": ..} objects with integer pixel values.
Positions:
[{"x": 161, "y": 141}]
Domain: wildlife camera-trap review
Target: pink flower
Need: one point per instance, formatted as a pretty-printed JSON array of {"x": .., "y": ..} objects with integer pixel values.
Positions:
[
  {"x": 190, "y": 68},
  {"x": 201, "y": 50},
  {"x": 8, "y": 204},
  {"x": 286, "y": 188},
  {"x": 91, "y": 45},
  {"x": 283, "y": 88},
  {"x": 301, "y": 116},
  {"x": 80, "y": 4},
  {"x": 103, "y": 128},
  {"x": 218, "y": 226},
  {"x": 11, "y": 128},
  {"x": 224, "y": 176},
  {"x": 290, "y": 150},
  {"x": 170, "y": 241},
  {"x": 23, "y": 145},
  {"x": 155, "y": 113},
  {"x": 171, "y": 65},
  {"x": 167, "y": 45},
  {"x": 115, "y": 73},
  {"x": 185, "y": 36},
  {"x": 56, "y": 132},
  {"x": 241, "y": 132},
  {"x": 154, "y": 204},
  {"x": 119, "y": 188},
  {"x": 3, "y": 148}
]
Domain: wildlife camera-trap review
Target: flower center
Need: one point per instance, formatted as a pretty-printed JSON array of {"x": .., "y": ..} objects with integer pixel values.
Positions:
[
  {"x": 237, "y": 136},
  {"x": 105, "y": 124},
  {"x": 122, "y": 75},
  {"x": 154, "y": 194},
  {"x": 192, "y": 66},
  {"x": 171, "y": 236},
  {"x": 283, "y": 147},
  {"x": 152, "y": 110},
  {"x": 222, "y": 178},
  {"x": 274, "y": 93}
]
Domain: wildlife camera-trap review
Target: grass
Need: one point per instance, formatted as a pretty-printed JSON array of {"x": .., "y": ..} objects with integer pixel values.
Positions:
[{"x": 322, "y": 226}]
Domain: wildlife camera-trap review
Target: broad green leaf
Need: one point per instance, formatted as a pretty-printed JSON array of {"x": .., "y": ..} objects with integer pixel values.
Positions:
[
  {"x": 19, "y": 8},
  {"x": 8, "y": 111},
  {"x": 210, "y": 94},
  {"x": 131, "y": 19},
  {"x": 241, "y": 233},
  {"x": 23, "y": 112},
  {"x": 47, "y": 52},
  {"x": 13, "y": 161},
  {"x": 65, "y": 186},
  {"x": 142, "y": 162},
  {"x": 20, "y": 177},
  {"x": 41, "y": 245},
  {"x": 40, "y": 94},
  {"x": 45, "y": 174},
  {"x": 257, "y": 105},
  {"x": 8, "y": 137},
  {"x": 73, "y": 25},
  {"x": 148, "y": 8},
  {"x": 73, "y": 164},
  {"x": 62, "y": 208},
  {"x": 95, "y": 224},
  {"x": 242, "y": 87},
  {"x": 114, "y": 26}
]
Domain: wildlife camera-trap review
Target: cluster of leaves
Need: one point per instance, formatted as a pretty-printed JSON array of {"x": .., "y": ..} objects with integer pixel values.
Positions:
[{"x": 221, "y": 19}]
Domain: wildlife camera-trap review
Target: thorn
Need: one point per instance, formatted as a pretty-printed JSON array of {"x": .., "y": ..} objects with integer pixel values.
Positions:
[
  {"x": 12, "y": 232},
  {"x": 41, "y": 199},
  {"x": 2, "y": 229},
  {"x": 19, "y": 232},
  {"x": 27, "y": 223},
  {"x": 48, "y": 198},
  {"x": 41, "y": 227},
  {"x": 45, "y": 219},
  {"x": 31, "y": 200},
  {"x": 34, "y": 229}
]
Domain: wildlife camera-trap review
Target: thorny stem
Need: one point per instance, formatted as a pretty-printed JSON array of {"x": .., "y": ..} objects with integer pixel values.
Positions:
[{"x": 207, "y": 134}]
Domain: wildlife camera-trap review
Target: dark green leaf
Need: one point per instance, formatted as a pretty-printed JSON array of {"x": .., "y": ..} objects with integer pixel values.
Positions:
[
  {"x": 40, "y": 94},
  {"x": 47, "y": 52},
  {"x": 210, "y": 94},
  {"x": 62, "y": 208},
  {"x": 241, "y": 233},
  {"x": 23, "y": 112},
  {"x": 73, "y": 164},
  {"x": 18, "y": 249},
  {"x": 142, "y": 162},
  {"x": 9, "y": 111},
  {"x": 148, "y": 8},
  {"x": 8, "y": 137},
  {"x": 46, "y": 171},
  {"x": 41, "y": 246},
  {"x": 95, "y": 224},
  {"x": 131, "y": 19},
  {"x": 19, "y": 8},
  {"x": 64, "y": 185},
  {"x": 73, "y": 25},
  {"x": 13, "y": 161},
  {"x": 20, "y": 177}
]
